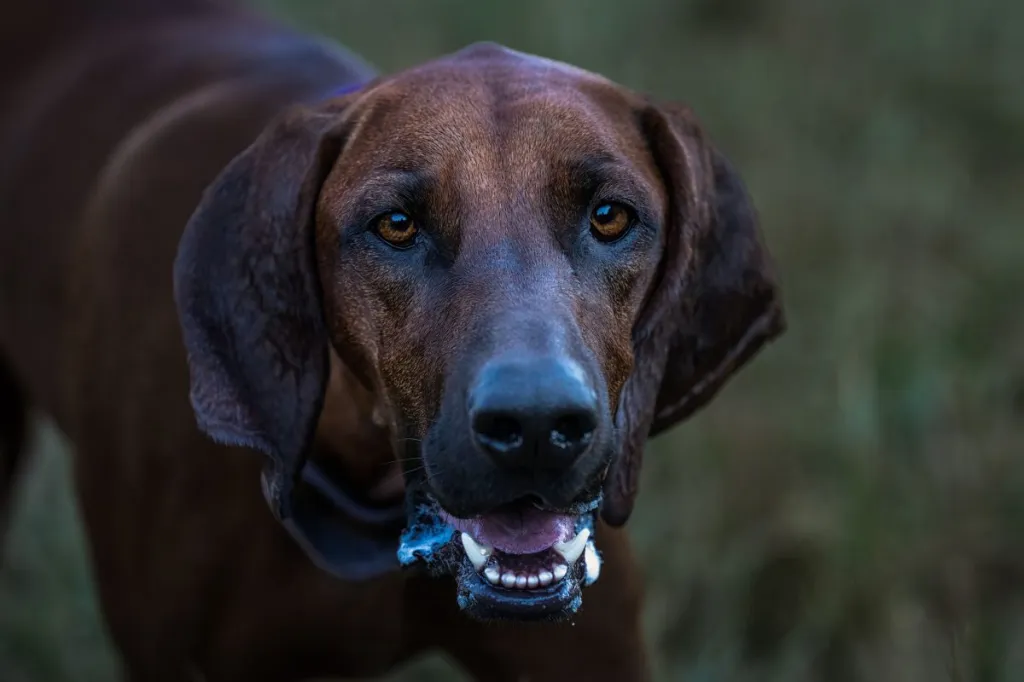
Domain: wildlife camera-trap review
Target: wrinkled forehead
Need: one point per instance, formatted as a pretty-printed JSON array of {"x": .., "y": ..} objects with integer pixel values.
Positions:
[{"x": 487, "y": 109}]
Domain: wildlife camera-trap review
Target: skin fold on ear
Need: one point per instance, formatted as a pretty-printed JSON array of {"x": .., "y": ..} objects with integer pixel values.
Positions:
[
  {"x": 248, "y": 296},
  {"x": 714, "y": 305}
]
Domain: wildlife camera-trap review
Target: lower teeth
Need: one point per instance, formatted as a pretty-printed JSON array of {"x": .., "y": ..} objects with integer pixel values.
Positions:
[{"x": 521, "y": 581}]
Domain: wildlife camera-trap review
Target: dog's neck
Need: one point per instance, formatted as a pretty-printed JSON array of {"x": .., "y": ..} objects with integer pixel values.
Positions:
[{"x": 351, "y": 438}]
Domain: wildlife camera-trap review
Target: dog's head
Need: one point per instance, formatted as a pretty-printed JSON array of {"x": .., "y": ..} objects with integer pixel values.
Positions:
[{"x": 531, "y": 267}]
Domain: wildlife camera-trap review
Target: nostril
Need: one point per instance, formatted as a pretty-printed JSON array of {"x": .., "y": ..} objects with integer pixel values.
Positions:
[
  {"x": 573, "y": 430},
  {"x": 498, "y": 432}
]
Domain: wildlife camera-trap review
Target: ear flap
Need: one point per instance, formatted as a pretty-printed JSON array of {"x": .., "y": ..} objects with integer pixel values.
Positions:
[
  {"x": 249, "y": 300},
  {"x": 715, "y": 304}
]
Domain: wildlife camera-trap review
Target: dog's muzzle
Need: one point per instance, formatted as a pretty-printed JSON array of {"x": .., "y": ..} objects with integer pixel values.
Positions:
[{"x": 533, "y": 569}]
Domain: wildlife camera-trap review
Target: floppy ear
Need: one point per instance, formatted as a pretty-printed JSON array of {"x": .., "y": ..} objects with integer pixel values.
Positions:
[
  {"x": 714, "y": 304},
  {"x": 249, "y": 300}
]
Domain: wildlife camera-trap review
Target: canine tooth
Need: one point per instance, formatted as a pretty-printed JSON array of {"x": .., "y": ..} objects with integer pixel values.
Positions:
[
  {"x": 546, "y": 577},
  {"x": 477, "y": 554},
  {"x": 493, "y": 575},
  {"x": 571, "y": 551},
  {"x": 560, "y": 571},
  {"x": 532, "y": 581},
  {"x": 483, "y": 550},
  {"x": 508, "y": 580},
  {"x": 521, "y": 582}
]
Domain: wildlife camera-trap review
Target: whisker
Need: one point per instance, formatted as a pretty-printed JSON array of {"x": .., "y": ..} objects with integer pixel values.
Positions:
[{"x": 400, "y": 460}]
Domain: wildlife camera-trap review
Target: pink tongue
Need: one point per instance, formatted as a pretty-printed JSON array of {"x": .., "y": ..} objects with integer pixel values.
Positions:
[{"x": 521, "y": 531}]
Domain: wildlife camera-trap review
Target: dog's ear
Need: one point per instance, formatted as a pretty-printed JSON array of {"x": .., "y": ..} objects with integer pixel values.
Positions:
[
  {"x": 714, "y": 304},
  {"x": 248, "y": 295}
]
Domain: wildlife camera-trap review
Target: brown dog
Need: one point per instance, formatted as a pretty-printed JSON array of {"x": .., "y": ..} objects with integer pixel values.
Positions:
[{"x": 457, "y": 300}]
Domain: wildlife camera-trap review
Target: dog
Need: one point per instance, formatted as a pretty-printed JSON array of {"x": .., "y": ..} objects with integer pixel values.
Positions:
[{"x": 356, "y": 367}]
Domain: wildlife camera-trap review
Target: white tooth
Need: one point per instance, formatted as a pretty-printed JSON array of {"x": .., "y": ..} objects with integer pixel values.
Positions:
[
  {"x": 508, "y": 580},
  {"x": 546, "y": 577},
  {"x": 484, "y": 550},
  {"x": 477, "y": 554},
  {"x": 592, "y": 563},
  {"x": 560, "y": 571},
  {"x": 572, "y": 550},
  {"x": 492, "y": 574},
  {"x": 533, "y": 581}
]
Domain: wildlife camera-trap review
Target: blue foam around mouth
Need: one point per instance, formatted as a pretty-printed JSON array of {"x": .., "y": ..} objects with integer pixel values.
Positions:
[{"x": 424, "y": 540}]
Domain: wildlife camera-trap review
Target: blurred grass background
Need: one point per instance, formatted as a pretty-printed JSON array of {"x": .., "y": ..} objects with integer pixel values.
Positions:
[{"x": 852, "y": 506}]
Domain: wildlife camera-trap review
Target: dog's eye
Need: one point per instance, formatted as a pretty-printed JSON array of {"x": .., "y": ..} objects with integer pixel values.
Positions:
[
  {"x": 610, "y": 220},
  {"x": 396, "y": 228}
]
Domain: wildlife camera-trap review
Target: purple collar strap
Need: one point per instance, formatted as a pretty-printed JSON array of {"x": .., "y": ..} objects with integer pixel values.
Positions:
[{"x": 339, "y": 532}]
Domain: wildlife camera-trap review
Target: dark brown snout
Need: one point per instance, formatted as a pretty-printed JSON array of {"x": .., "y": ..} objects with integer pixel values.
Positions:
[
  {"x": 525, "y": 411},
  {"x": 534, "y": 413}
]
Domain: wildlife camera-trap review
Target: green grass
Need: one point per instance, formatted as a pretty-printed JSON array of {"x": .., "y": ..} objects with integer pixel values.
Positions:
[{"x": 852, "y": 506}]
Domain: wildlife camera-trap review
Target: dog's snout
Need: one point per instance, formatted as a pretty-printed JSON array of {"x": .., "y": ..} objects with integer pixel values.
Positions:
[{"x": 533, "y": 413}]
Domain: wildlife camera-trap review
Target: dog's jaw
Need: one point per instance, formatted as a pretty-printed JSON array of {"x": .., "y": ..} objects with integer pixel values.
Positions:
[{"x": 492, "y": 585}]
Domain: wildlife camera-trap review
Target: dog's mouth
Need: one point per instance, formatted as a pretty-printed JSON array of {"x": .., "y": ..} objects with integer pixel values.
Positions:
[
  {"x": 514, "y": 563},
  {"x": 518, "y": 562}
]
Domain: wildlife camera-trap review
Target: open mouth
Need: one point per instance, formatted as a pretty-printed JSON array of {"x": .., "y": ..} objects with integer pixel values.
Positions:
[{"x": 517, "y": 562}]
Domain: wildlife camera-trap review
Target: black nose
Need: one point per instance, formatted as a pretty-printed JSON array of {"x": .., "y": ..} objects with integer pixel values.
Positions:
[{"x": 533, "y": 413}]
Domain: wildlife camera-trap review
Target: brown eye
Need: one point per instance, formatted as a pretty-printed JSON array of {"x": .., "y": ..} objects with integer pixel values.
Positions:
[
  {"x": 396, "y": 229},
  {"x": 610, "y": 220}
]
